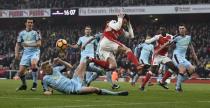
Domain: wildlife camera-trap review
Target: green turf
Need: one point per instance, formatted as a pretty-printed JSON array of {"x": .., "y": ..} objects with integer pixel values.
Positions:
[{"x": 194, "y": 96}]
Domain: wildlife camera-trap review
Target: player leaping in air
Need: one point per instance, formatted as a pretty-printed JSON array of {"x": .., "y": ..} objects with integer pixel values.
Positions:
[{"x": 109, "y": 45}]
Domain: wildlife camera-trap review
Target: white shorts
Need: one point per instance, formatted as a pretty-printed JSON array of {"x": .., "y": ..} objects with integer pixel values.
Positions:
[
  {"x": 107, "y": 48},
  {"x": 159, "y": 59}
]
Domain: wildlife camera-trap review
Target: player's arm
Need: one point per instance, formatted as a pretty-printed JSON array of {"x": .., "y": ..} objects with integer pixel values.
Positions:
[
  {"x": 193, "y": 53},
  {"x": 130, "y": 33},
  {"x": 153, "y": 39},
  {"x": 73, "y": 46},
  {"x": 48, "y": 90},
  {"x": 36, "y": 44},
  {"x": 167, "y": 44},
  {"x": 68, "y": 65},
  {"x": 116, "y": 25},
  {"x": 79, "y": 43},
  {"x": 17, "y": 47}
]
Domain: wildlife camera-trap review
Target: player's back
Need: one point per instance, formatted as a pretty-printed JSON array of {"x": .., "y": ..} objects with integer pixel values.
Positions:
[
  {"x": 182, "y": 44},
  {"x": 146, "y": 51},
  {"x": 61, "y": 83}
]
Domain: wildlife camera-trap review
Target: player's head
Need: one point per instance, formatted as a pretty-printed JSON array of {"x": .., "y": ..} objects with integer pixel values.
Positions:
[
  {"x": 88, "y": 30},
  {"x": 182, "y": 29},
  {"x": 162, "y": 30},
  {"x": 47, "y": 67},
  {"x": 29, "y": 24},
  {"x": 126, "y": 20}
]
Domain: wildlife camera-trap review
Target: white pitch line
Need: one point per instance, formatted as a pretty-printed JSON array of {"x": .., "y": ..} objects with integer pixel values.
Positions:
[
  {"x": 47, "y": 99},
  {"x": 120, "y": 104}
]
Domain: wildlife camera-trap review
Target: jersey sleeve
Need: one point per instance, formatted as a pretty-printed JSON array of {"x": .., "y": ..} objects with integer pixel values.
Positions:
[
  {"x": 58, "y": 69},
  {"x": 19, "y": 38},
  {"x": 116, "y": 25},
  {"x": 45, "y": 85},
  {"x": 95, "y": 42},
  {"x": 79, "y": 42},
  {"x": 136, "y": 49},
  {"x": 155, "y": 38},
  {"x": 38, "y": 35}
]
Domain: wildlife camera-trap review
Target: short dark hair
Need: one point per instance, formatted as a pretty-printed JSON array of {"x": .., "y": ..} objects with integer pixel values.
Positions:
[
  {"x": 29, "y": 19},
  {"x": 127, "y": 17},
  {"x": 88, "y": 26},
  {"x": 182, "y": 24}
]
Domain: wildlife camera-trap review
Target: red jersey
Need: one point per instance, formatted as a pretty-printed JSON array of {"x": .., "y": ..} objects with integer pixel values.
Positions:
[
  {"x": 113, "y": 34},
  {"x": 161, "y": 41}
]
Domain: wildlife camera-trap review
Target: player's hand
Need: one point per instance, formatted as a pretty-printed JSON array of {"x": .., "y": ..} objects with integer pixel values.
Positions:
[
  {"x": 82, "y": 48},
  {"x": 47, "y": 93},
  {"x": 56, "y": 60},
  {"x": 25, "y": 45},
  {"x": 120, "y": 15}
]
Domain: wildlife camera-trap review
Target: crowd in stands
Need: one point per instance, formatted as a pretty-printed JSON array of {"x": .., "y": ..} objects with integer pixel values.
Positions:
[
  {"x": 25, "y": 4},
  {"x": 200, "y": 37}
]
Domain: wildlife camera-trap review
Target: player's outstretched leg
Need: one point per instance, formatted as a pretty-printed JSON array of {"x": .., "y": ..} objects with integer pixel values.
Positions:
[
  {"x": 146, "y": 79},
  {"x": 89, "y": 90}
]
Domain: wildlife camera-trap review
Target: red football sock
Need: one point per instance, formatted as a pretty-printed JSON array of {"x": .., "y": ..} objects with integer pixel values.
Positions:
[
  {"x": 146, "y": 79},
  {"x": 102, "y": 63},
  {"x": 166, "y": 76},
  {"x": 132, "y": 58}
]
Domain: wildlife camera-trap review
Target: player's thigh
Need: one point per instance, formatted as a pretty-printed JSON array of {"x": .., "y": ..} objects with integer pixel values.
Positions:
[
  {"x": 108, "y": 45},
  {"x": 181, "y": 62},
  {"x": 165, "y": 59},
  {"x": 25, "y": 59},
  {"x": 157, "y": 60},
  {"x": 35, "y": 58}
]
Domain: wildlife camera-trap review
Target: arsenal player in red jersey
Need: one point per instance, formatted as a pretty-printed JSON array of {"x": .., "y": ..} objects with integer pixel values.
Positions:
[
  {"x": 109, "y": 44},
  {"x": 161, "y": 57}
]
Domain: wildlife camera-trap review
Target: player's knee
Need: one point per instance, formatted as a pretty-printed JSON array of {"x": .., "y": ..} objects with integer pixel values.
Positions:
[
  {"x": 34, "y": 69},
  {"x": 112, "y": 66},
  {"x": 182, "y": 69},
  {"x": 191, "y": 69},
  {"x": 172, "y": 67},
  {"x": 33, "y": 65}
]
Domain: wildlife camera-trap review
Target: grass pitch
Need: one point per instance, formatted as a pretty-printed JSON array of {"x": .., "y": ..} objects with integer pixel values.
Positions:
[{"x": 194, "y": 96}]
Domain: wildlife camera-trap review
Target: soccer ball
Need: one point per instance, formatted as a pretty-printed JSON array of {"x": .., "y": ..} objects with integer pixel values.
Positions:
[{"x": 61, "y": 44}]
